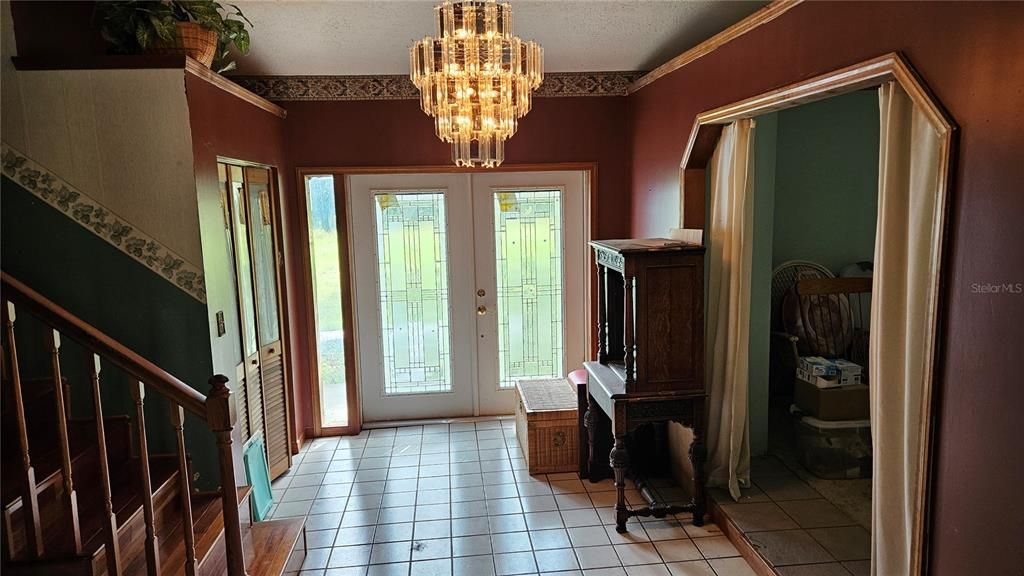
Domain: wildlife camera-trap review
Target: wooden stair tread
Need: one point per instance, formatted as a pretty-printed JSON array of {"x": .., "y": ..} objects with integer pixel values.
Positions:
[
  {"x": 207, "y": 525},
  {"x": 269, "y": 544}
]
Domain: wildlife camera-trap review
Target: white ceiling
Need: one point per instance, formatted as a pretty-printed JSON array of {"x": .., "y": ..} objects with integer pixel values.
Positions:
[{"x": 349, "y": 37}]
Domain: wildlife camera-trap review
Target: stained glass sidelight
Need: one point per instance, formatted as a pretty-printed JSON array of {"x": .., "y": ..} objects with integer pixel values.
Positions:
[
  {"x": 528, "y": 247},
  {"x": 412, "y": 265}
]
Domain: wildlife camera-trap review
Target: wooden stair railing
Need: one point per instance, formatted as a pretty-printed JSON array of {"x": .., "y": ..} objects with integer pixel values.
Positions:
[{"x": 215, "y": 410}]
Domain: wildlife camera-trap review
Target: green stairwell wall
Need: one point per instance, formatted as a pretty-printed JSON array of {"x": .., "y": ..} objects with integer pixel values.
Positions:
[{"x": 67, "y": 263}]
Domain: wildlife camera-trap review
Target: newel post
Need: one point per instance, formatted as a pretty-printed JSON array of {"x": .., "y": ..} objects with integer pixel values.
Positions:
[{"x": 221, "y": 416}]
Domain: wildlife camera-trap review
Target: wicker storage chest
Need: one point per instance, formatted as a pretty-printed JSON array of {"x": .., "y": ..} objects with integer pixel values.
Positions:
[{"x": 546, "y": 425}]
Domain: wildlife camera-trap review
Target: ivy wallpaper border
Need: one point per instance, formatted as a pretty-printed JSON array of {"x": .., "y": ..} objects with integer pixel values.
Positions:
[
  {"x": 99, "y": 220},
  {"x": 400, "y": 87}
]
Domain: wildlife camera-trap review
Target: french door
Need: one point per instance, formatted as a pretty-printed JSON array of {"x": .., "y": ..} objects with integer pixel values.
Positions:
[{"x": 464, "y": 284}]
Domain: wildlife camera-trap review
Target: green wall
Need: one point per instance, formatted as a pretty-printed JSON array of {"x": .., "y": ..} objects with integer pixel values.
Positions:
[
  {"x": 95, "y": 281},
  {"x": 826, "y": 181},
  {"x": 765, "y": 151},
  {"x": 815, "y": 198}
]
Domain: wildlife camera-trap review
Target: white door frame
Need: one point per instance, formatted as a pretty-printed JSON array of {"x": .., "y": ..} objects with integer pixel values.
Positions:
[{"x": 363, "y": 259}]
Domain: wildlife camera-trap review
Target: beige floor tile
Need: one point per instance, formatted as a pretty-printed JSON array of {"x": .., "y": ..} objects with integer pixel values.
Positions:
[
  {"x": 514, "y": 563},
  {"x": 597, "y": 557},
  {"x": 550, "y": 539},
  {"x": 632, "y": 554},
  {"x": 511, "y": 542},
  {"x": 665, "y": 530},
  {"x": 716, "y": 547},
  {"x": 694, "y": 568},
  {"x": 588, "y": 536},
  {"x": 731, "y": 567},
  {"x": 648, "y": 570},
  {"x": 555, "y": 560},
  {"x": 708, "y": 529},
  {"x": 678, "y": 550}
]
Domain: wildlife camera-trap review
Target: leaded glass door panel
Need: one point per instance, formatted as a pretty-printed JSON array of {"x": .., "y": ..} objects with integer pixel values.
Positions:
[
  {"x": 531, "y": 264},
  {"x": 413, "y": 262}
]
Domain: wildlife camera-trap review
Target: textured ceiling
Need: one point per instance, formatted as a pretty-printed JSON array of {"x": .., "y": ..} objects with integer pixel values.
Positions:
[{"x": 349, "y": 37}]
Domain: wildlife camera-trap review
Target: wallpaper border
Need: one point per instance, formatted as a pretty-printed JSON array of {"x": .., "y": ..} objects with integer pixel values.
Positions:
[
  {"x": 102, "y": 222},
  {"x": 400, "y": 87}
]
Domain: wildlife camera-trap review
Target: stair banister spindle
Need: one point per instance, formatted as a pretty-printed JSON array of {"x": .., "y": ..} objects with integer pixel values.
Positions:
[
  {"x": 112, "y": 550},
  {"x": 152, "y": 544},
  {"x": 221, "y": 416},
  {"x": 177, "y": 423},
  {"x": 27, "y": 478},
  {"x": 70, "y": 497}
]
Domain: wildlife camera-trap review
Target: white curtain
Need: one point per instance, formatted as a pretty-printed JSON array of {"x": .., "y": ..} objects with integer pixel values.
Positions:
[
  {"x": 906, "y": 249},
  {"x": 731, "y": 230}
]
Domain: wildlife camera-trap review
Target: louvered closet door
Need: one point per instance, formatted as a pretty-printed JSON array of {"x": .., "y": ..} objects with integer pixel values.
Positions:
[
  {"x": 264, "y": 242},
  {"x": 249, "y": 391}
]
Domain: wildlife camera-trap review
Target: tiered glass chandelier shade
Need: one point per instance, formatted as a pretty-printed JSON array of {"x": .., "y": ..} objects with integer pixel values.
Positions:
[{"x": 476, "y": 79}]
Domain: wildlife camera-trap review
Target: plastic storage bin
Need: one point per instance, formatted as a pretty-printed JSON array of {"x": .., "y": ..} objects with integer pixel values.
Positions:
[{"x": 835, "y": 449}]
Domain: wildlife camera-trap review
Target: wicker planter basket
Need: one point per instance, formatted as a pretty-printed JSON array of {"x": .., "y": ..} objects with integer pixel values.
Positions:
[{"x": 191, "y": 40}]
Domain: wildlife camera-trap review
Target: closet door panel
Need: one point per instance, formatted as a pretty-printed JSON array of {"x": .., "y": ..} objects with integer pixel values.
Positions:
[
  {"x": 274, "y": 398},
  {"x": 264, "y": 242},
  {"x": 250, "y": 391}
]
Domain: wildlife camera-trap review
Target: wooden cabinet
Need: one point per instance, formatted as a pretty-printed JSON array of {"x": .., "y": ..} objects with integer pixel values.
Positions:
[
  {"x": 650, "y": 366},
  {"x": 651, "y": 313}
]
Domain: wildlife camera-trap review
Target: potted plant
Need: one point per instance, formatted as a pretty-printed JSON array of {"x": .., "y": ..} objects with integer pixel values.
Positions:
[{"x": 202, "y": 29}]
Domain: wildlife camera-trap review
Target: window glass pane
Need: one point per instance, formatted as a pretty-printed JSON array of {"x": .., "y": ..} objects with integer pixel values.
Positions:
[
  {"x": 325, "y": 264},
  {"x": 261, "y": 219},
  {"x": 412, "y": 265},
  {"x": 243, "y": 264},
  {"x": 528, "y": 247}
]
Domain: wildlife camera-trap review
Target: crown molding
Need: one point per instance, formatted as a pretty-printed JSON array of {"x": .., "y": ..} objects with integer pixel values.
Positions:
[
  {"x": 400, "y": 87},
  {"x": 770, "y": 12}
]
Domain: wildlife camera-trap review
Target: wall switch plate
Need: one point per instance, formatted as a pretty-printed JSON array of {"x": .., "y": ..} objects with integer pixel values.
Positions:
[{"x": 220, "y": 323}]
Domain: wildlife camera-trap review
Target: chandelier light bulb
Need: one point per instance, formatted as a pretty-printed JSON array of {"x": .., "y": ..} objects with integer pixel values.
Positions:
[{"x": 476, "y": 79}]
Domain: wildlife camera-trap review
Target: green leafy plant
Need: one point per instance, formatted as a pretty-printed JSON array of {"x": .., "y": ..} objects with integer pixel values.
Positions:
[{"x": 132, "y": 26}]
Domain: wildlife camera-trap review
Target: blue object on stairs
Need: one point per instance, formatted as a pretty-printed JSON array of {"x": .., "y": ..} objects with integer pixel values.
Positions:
[{"x": 258, "y": 475}]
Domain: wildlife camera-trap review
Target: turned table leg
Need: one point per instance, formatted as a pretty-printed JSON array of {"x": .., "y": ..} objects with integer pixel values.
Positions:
[
  {"x": 619, "y": 460},
  {"x": 698, "y": 456},
  {"x": 590, "y": 425}
]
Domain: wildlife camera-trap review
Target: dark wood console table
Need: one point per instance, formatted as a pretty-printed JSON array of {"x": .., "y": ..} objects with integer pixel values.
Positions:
[{"x": 650, "y": 366}]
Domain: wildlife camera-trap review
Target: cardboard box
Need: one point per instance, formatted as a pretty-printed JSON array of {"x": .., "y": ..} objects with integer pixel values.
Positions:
[
  {"x": 849, "y": 372},
  {"x": 838, "y": 403},
  {"x": 819, "y": 381},
  {"x": 817, "y": 366}
]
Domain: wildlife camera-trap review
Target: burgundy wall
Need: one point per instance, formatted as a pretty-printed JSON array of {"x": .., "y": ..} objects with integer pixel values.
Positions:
[
  {"x": 972, "y": 57},
  {"x": 398, "y": 133},
  {"x": 224, "y": 125}
]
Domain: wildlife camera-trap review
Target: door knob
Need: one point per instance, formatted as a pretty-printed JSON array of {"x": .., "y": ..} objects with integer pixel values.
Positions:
[{"x": 481, "y": 310}]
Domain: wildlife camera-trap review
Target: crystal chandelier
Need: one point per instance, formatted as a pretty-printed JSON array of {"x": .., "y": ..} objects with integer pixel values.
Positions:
[{"x": 476, "y": 79}]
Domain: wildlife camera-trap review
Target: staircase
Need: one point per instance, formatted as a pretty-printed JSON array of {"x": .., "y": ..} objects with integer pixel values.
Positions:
[{"x": 86, "y": 496}]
